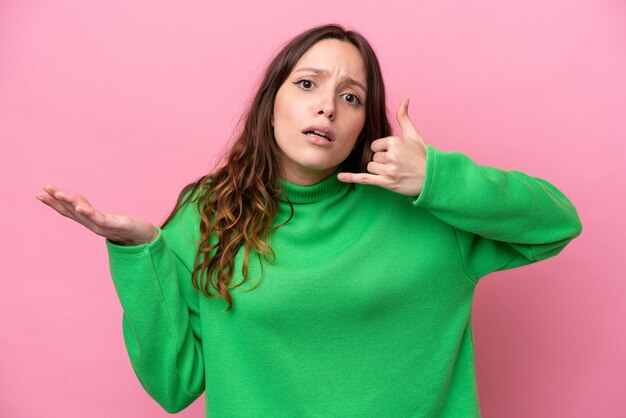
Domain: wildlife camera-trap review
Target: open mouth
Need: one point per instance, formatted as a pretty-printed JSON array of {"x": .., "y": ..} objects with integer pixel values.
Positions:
[{"x": 318, "y": 133}]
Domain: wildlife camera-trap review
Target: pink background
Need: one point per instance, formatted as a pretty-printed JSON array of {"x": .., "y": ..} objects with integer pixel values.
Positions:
[{"x": 128, "y": 101}]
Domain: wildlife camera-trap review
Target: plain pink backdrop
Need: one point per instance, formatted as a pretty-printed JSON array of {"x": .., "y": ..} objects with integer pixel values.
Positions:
[{"x": 128, "y": 101}]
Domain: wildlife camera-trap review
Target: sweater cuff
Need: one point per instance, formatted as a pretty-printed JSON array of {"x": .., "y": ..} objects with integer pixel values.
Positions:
[
  {"x": 432, "y": 154},
  {"x": 118, "y": 249}
]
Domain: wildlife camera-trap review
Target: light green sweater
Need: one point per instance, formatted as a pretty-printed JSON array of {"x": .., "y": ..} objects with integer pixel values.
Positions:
[{"x": 366, "y": 311}]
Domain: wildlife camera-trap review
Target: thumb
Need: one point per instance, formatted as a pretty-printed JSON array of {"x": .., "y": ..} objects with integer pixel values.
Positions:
[{"x": 408, "y": 129}]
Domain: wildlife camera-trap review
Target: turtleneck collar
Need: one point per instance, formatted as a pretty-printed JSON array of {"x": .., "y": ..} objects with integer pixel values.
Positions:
[{"x": 330, "y": 186}]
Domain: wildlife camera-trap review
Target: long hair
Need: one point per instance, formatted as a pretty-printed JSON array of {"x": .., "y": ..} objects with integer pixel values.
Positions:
[{"x": 238, "y": 202}]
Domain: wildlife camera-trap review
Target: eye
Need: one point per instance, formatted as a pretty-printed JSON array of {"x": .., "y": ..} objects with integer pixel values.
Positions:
[
  {"x": 305, "y": 84},
  {"x": 352, "y": 99}
]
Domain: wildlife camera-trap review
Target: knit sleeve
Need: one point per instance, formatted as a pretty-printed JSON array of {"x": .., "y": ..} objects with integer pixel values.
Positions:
[
  {"x": 502, "y": 219},
  {"x": 161, "y": 324}
]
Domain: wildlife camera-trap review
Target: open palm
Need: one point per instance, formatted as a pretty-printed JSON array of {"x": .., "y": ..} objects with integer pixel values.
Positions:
[{"x": 122, "y": 229}]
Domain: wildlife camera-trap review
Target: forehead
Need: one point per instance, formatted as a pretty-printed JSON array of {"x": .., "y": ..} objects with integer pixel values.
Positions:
[{"x": 336, "y": 57}]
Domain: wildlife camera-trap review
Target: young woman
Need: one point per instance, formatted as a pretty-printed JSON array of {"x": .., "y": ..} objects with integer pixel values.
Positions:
[{"x": 328, "y": 267}]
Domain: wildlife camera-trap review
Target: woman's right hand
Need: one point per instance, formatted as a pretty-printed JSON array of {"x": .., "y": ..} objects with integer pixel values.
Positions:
[{"x": 121, "y": 229}]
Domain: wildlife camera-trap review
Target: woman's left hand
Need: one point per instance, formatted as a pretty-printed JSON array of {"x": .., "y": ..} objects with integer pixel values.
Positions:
[{"x": 399, "y": 163}]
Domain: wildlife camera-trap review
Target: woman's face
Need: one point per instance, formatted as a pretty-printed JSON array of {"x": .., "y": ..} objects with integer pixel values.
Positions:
[{"x": 319, "y": 111}]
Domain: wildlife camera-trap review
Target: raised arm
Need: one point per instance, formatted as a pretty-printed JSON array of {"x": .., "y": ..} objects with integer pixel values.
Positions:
[
  {"x": 161, "y": 325},
  {"x": 502, "y": 219}
]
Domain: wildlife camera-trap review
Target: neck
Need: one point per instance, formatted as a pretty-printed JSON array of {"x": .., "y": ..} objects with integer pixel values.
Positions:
[
  {"x": 307, "y": 178},
  {"x": 328, "y": 188}
]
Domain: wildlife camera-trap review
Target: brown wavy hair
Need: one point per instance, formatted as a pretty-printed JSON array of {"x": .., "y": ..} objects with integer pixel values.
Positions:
[{"x": 238, "y": 202}]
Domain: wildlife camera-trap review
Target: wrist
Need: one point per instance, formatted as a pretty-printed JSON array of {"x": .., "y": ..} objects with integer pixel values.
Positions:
[{"x": 141, "y": 241}]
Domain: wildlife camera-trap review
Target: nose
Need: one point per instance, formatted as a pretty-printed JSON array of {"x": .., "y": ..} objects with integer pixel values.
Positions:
[{"x": 327, "y": 107}]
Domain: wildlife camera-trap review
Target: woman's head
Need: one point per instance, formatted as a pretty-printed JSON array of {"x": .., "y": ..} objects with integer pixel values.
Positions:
[
  {"x": 341, "y": 66},
  {"x": 238, "y": 203},
  {"x": 319, "y": 111}
]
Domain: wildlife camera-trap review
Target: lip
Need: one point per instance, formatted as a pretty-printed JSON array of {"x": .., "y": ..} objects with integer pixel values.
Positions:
[
  {"x": 317, "y": 140},
  {"x": 329, "y": 133}
]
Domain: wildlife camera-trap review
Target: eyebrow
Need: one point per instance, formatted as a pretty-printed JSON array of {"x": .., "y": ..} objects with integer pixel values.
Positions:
[{"x": 324, "y": 72}]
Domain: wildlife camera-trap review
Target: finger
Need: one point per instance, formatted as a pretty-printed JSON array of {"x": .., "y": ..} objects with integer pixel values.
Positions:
[
  {"x": 364, "y": 178},
  {"x": 99, "y": 219},
  {"x": 408, "y": 129},
  {"x": 381, "y": 144},
  {"x": 54, "y": 204},
  {"x": 376, "y": 168},
  {"x": 74, "y": 199},
  {"x": 381, "y": 157},
  {"x": 50, "y": 189},
  {"x": 72, "y": 203},
  {"x": 70, "y": 207}
]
